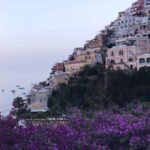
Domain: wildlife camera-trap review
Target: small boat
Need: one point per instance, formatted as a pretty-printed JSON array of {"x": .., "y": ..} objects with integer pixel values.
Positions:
[
  {"x": 21, "y": 88},
  {"x": 13, "y": 91},
  {"x": 3, "y": 90}
]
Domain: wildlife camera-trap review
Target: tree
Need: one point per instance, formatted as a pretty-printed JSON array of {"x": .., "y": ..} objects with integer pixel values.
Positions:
[{"x": 19, "y": 106}]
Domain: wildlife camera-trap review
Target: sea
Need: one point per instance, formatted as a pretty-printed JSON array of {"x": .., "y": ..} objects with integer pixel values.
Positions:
[
  {"x": 7, "y": 96},
  {"x": 17, "y": 84}
]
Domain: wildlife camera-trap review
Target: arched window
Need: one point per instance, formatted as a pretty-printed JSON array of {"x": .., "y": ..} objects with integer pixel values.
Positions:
[
  {"x": 148, "y": 60},
  {"x": 141, "y": 60}
]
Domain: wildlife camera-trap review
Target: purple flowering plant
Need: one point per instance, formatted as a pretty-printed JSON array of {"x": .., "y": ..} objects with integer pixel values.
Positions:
[{"x": 105, "y": 131}]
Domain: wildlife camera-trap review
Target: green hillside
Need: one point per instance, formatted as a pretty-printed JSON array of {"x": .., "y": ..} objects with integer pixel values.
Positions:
[{"x": 95, "y": 88}]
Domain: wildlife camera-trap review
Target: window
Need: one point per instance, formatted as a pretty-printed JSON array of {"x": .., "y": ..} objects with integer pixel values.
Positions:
[
  {"x": 121, "y": 60},
  {"x": 118, "y": 68},
  {"x": 112, "y": 61},
  {"x": 89, "y": 57},
  {"x": 141, "y": 60},
  {"x": 130, "y": 59},
  {"x": 148, "y": 60},
  {"x": 88, "y": 53},
  {"x": 112, "y": 54},
  {"x": 131, "y": 66},
  {"x": 120, "y": 53}
]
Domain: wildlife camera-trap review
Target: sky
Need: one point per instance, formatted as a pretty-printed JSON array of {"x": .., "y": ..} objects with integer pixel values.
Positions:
[{"x": 35, "y": 34}]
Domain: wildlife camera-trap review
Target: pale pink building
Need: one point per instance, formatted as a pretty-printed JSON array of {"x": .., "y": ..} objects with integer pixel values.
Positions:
[
  {"x": 124, "y": 54},
  {"x": 143, "y": 61}
]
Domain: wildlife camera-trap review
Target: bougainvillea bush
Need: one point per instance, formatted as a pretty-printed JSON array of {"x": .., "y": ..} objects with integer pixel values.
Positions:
[{"x": 105, "y": 131}]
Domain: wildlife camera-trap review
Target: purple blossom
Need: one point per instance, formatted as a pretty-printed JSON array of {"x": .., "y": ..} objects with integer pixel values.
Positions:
[{"x": 106, "y": 131}]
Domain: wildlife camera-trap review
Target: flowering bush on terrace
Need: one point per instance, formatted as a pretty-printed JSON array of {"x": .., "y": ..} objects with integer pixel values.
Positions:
[{"x": 106, "y": 131}]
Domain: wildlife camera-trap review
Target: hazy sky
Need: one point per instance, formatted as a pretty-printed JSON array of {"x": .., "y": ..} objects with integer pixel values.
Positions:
[{"x": 34, "y": 34}]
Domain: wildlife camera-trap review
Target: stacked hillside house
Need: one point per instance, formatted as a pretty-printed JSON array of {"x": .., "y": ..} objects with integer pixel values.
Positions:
[
  {"x": 61, "y": 72},
  {"x": 124, "y": 44},
  {"x": 90, "y": 54},
  {"x": 58, "y": 78},
  {"x": 58, "y": 67},
  {"x": 126, "y": 51},
  {"x": 132, "y": 21},
  {"x": 130, "y": 38}
]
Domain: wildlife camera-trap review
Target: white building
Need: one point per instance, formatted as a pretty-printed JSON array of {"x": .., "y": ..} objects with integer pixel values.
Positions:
[
  {"x": 147, "y": 6},
  {"x": 134, "y": 20},
  {"x": 124, "y": 54},
  {"x": 143, "y": 61},
  {"x": 39, "y": 98},
  {"x": 131, "y": 25}
]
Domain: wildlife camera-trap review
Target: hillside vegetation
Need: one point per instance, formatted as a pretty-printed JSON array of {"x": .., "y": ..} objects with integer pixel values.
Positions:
[{"x": 95, "y": 88}]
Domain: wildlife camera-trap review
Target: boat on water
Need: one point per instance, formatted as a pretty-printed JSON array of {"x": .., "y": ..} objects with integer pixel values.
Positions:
[
  {"x": 3, "y": 90},
  {"x": 21, "y": 88},
  {"x": 13, "y": 91}
]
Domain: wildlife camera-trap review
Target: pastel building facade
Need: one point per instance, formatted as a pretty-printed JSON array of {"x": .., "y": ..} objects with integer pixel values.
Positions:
[
  {"x": 57, "y": 79},
  {"x": 75, "y": 66},
  {"x": 134, "y": 20},
  {"x": 39, "y": 98},
  {"x": 143, "y": 61},
  {"x": 89, "y": 56},
  {"x": 126, "y": 51},
  {"x": 58, "y": 67},
  {"x": 121, "y": 57},
  {"x": 134, "y": 7},
  {"x": 147, "y": 6},
  {"x": 131, "y": 25}
]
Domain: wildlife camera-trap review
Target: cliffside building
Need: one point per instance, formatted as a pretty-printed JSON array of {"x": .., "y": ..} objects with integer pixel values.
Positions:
[
  {"x": 38, "y": 98},
  {"x": 143, "y": 61},
  {"x": 126, "y": 51},
  {"x": 57, "y": 78}
]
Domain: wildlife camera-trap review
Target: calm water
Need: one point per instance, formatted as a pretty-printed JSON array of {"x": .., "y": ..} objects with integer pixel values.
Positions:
[
  {"x": 9, "y": 82},
  {"x": 7, "y": 97},
  {"x": 5, "y": 103}
]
